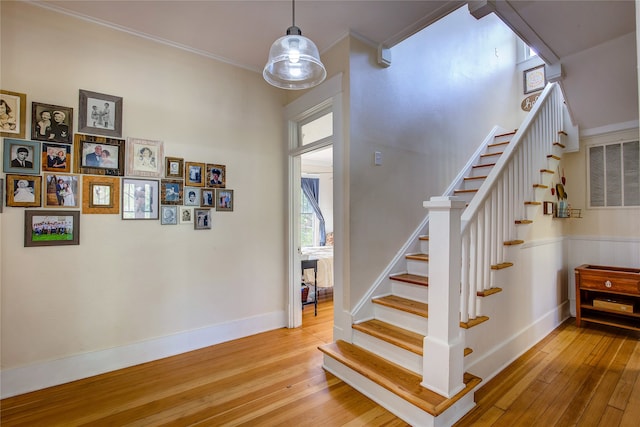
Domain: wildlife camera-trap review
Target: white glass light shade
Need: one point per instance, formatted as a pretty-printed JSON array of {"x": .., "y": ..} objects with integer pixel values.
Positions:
[{"x": 294, "y": 62}]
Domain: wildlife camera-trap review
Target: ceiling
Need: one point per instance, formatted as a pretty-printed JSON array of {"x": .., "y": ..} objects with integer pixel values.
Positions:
[{"x": 241, "y": 32}]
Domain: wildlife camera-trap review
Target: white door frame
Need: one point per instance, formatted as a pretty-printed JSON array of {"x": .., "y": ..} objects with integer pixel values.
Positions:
[{"x": 328, "y": 94}]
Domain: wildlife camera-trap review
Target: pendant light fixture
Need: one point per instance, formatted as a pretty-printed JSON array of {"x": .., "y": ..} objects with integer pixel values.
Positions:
[{"x": 294, "y": 61}]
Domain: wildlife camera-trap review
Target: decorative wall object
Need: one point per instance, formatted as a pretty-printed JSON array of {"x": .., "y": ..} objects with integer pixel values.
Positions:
[
  {"x": 21, "y": 156},
  {"x": 194, "y": 174},
  {"x": 56, "y": 157},
  {"x": 144, "y": 157},
  {"x": 98, "y": 155},
  {"x": 216, "y": 176},
  {"x": 1, "y": 194},
  {"x": 186, "y": 215},
  {"x": 13, "y": 114},
  {"x": 100, "y": 195},
  {"x": 51, "y": 228},
  {"x": 224, "y": 200},
  {"x": 207, "y": 197},
  {"x": 171, "y": 191},
  {"x": 24, "y": 190},
  {"x": 168, "y": 215},
  {"x": 100, "y": 114},
  {"x": 174, "y": 167},
  {"x": 61, "y": 191},
  {"x": 534, "y": 79},
  {"x": 191, "y": 196},
  {"x": 140, "y": 198},
  {"x": 202, "y": 219},
  {"x": 51, "y": 123}
]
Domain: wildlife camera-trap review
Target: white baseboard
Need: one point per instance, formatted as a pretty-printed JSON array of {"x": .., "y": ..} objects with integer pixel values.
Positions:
[
  {"x": 493, "y": 362},
  {"x": 24, "y": 379}
]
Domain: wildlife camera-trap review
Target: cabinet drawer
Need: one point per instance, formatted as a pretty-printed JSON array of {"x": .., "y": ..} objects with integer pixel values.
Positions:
[{"x": 610, "y": 284}]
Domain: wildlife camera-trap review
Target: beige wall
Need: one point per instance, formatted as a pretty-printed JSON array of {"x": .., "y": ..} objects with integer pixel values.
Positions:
[{"x": 133, "y": 282}]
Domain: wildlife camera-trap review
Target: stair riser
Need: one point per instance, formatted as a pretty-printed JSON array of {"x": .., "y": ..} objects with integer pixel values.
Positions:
[
  {"x": 485, "y": 160},
  {"x": 466, "y": 197},
  {"x": 472, "y": 184},
  {"x": 424, "y": 246},
  {"x": 496, "y": 149},
  {"x": 402, "y": 319},
  {"x": 483, "y": 171},
  {"x": 421, "y": 268},
  {"x": 392, "y": 353},
  {"x": 410, "y": 291}
]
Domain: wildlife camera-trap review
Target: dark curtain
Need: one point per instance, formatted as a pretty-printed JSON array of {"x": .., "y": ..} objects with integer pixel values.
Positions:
[{"x": 310, "y": 188}]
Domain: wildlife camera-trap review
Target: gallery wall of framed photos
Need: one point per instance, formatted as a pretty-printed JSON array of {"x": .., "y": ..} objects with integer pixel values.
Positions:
[{"x": 111, "y": 174}]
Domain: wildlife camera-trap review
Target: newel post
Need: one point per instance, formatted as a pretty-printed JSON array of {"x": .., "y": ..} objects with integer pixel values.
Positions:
[{"x": 443, "y": 365}]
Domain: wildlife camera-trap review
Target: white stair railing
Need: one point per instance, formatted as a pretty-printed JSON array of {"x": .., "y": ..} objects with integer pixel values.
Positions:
[{"x": 489, "y": 220}]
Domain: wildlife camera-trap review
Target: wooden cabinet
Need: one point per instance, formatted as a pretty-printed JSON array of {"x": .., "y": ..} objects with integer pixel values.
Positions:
[{"x": 608, "y": 295}]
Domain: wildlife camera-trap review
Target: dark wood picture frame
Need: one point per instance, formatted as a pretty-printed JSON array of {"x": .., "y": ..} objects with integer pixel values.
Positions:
[
  {"x": 14, "y": 105},
  {"x": 85, "y": 149},
  {"x": 19, "y": 187},
  {"x": 52, "y": 161},
  {"x": 53, "y": 130},
  {"x": 100, "y": 114},
  {"x": 216, "y": 176},
  {"x": 171, "y": 191},
  {"x": 51, "y": 228}
]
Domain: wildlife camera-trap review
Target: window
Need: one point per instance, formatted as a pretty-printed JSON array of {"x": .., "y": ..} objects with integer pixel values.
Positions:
[
  {"x": 614, "y": 175},
  {"x": 308, "y": 223},
  {"x": 316, "y": 128}
]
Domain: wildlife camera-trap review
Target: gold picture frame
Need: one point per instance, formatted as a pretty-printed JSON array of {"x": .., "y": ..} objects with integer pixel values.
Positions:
[
  {"x": 24, "y": 190},
  {"x": 100, "y": 195}
]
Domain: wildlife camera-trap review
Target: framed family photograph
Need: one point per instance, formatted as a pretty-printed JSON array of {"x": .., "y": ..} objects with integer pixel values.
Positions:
[
  {"x": 202, "y": 219},
  {"x": 98, "y": 155},
  {"x": 191, "y": 196},
  {"x": 21, "y": 156},
  {"x": 171, "y": 191},
  {"x": 140, "y": 199},
  {"x": 100, "y": 195},
  {"x": 174, "y": 167},
  {"x": 216, "y": 176},
  {"x": 51, "y": 123},
  {"x": 51, "y": 228},
  {"x": 100, "y": 114},
  {"x": 61, "y": 191},
  {"x": 208, "y": 195},
  {"x": 13, "y": 114},
  {"x": 1, "y": 194},
  {"x": 186, "y": 215},
  {"x": 534, "y": 79},
  {"x": 224, "y": 200},
  {"x": 144, "y": 158},
  {"x": 194, "y": 174},
  {"x": 168, "y": 215},
  {"x": 56, "y": 157},
  {"x": 24, "y": 190}
]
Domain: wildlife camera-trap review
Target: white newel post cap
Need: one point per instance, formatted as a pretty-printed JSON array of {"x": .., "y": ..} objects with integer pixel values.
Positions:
[{"x": 444, "y": 202}]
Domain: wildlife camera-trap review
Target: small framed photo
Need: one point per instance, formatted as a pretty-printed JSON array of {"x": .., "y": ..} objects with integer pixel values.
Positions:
[
  {"x": 13, "y": 114},
  {"x": 168, "y": 215},
  {"x": 224, "y": 200},
  {"x": 194, "y": 174},
  {"x": 1, "y": 194},
  {"x": 191, "y": 196},
  {"x": 100, "y": 195},
  {"x": 202, "y": 219},
  {"x": 98, "y": 155},
  {"x": 51, "y": 228},
  {"x": 216, "y": 176},
  {"x": 534, "y": 79},
  {"x": 171, "y": 191},
  {"x": 56, "y": 157},
  {"x": 144, "y": 157},
  {"x": 174, "y": 167},
  {"x": 186, "y": 215},
  {"x": 21, "y": 156},
  {"x": 100, "y": 114},
  {"x": 140, "y": 199},
  {"x": 51, "y": 123},
  {"x": 208, "y": 195},
  {"x": 61, "y": 191},
  {"x": 548, "y": 208},
  {"x": 24, "y": 190}
]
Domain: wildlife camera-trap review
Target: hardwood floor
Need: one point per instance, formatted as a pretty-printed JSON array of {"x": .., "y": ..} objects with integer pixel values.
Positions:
[{"x": 574, "y": 377}]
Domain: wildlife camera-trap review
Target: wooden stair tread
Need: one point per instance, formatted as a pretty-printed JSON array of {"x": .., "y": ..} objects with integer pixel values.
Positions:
[
  {"x": 425, "y": 238},
  {"x": 404, "y": 304},
  {"x": 540, "y": 186},
  {"x": 531, "y": 203},
  {"x": 513, "y": 242},
  {"x": 411, "y": 278},
  {"x": 490, "y": 154},
  {"x": 488, "y": 292},
  {"x": 523, "y": 221},
  {"x": 396, "y": 379},
  {"x": 513, "y": 132},
  {"x": 502, "y": 265},
  {"x": 497, "y": 144},
  {"x": 392, "y": 334},
  {"x": 473, "y": 322},
  {"x": 418, "y": 257},
  {"x": 487, "y": 165},
  {"x": 473, "y": 190},
  {"x": 558, "y": 144},
  {"x": 553, "y": 156},
  {"x": 546, "y": 171},
  {"x": 471, "y": 178}
]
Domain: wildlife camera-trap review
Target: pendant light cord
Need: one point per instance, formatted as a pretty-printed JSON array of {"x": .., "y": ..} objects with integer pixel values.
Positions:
[{"x": 293, "y": 12}]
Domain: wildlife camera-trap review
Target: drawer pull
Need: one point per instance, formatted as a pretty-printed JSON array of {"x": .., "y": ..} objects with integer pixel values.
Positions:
[{"x": 607, "y": 283}]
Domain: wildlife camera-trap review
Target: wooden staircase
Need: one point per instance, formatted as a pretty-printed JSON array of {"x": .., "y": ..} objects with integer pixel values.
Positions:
[{"x": 385, "y": 358}]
